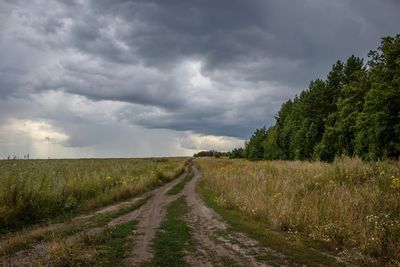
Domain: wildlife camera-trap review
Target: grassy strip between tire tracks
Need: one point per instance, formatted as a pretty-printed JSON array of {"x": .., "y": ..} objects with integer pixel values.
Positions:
[
  {"x": 179, "y": 186},
  {"x": 172, "y": 237}
]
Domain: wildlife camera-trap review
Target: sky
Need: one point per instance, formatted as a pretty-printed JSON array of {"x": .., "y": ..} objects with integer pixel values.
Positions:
[{"x": 142, "y": 78}]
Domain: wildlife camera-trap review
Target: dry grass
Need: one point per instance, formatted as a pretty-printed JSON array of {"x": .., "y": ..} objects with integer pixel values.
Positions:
[
  {"x": 36, "y": 190},
  {"x": 351, "y": 206}
]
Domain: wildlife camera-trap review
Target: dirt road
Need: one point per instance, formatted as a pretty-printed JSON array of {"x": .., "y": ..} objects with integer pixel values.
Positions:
[
  {"x": 149, "y": 216},
  {"x": 214, "y": 243}
]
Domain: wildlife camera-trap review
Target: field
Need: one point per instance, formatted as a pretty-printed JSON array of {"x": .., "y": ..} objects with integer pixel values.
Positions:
[
  {"x": 216, "y": 212},
  {"x": 351, "y": 207},
  {"x": 33, "y": 191}
]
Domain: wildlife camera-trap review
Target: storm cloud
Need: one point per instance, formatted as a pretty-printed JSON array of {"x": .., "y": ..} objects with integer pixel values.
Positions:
[{"x": 154, "y": 77}]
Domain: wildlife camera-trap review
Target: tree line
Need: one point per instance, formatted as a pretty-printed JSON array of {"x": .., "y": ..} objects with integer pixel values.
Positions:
[
  {"x": 235, "y": 153},
  {"x": 211, "y": 153},
  {"x": 355, "y": 111}
]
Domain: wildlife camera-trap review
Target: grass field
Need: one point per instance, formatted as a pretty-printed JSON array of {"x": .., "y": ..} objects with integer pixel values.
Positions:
[
  {"x": 34, "y": 191},
  {"x": 351, "y": 207}
]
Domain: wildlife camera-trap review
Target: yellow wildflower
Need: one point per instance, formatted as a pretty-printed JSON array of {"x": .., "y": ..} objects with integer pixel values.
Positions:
[{"x": 395, "y": 182}]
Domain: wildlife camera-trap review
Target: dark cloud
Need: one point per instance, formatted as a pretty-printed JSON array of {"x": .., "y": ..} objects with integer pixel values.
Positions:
[
  {"x": 201, "y": 66},
  {"x": 273, "y": 34}
]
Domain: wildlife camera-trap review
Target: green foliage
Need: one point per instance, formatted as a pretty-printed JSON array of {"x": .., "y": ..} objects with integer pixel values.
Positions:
[
  {"x": 254, "y": 149},
  {"x": 379, "y": 125},
  {"x": 271, "y": 148},
  {"x": 340, "y": 127},
  {"x": 354, "y": 112},
  {"x": 210, "y": 153},
  {"x": 237, "y": 153}
]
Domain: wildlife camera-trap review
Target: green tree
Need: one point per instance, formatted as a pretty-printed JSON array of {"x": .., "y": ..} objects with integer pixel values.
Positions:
[
  {"x": 355, "y": 111},
  {"x": 236, "y": 153},
  {"x": 340, "y": 126},
  {"x": 255, "y": 148},
  {"x": 271, "y": 148},
  {"x": 379, "y": 124}
]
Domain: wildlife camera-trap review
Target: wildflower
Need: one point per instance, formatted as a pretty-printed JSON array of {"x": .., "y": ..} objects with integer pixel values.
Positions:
[{"x": 395, "y": 182}]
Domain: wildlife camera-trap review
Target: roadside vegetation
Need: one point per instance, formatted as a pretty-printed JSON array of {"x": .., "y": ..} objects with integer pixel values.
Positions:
[
  {"x": 108, "y": 247},
  {"x": 33, "y": 191},
  {"x": 27, "y": 238},
  {"x": 349, "y": 206}
]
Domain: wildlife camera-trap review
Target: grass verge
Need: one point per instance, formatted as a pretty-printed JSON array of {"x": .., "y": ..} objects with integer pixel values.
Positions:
[
  {"x": 117, "y": 245},
  {"x": 179, "y": 186},
  {"x": 172, "y": 238},
  {"x": 28, "y": 239},
  {"x": 299, "y": 251},
  {"x": 106, "y": 248}
]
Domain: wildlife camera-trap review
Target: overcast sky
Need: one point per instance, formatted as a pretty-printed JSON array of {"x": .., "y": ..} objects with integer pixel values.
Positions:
[{"x": 137, "y": 78}]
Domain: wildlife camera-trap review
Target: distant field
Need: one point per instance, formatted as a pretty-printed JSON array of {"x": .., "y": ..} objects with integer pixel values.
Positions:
[
  {"x": 350, "y": 206},
  {"x": 36, "y": 190}
]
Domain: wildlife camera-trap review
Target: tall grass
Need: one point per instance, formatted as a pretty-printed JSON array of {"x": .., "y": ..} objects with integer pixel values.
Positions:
[
  {"x": 351, "y": 206},
  {"x": 36, "y": 190}
]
